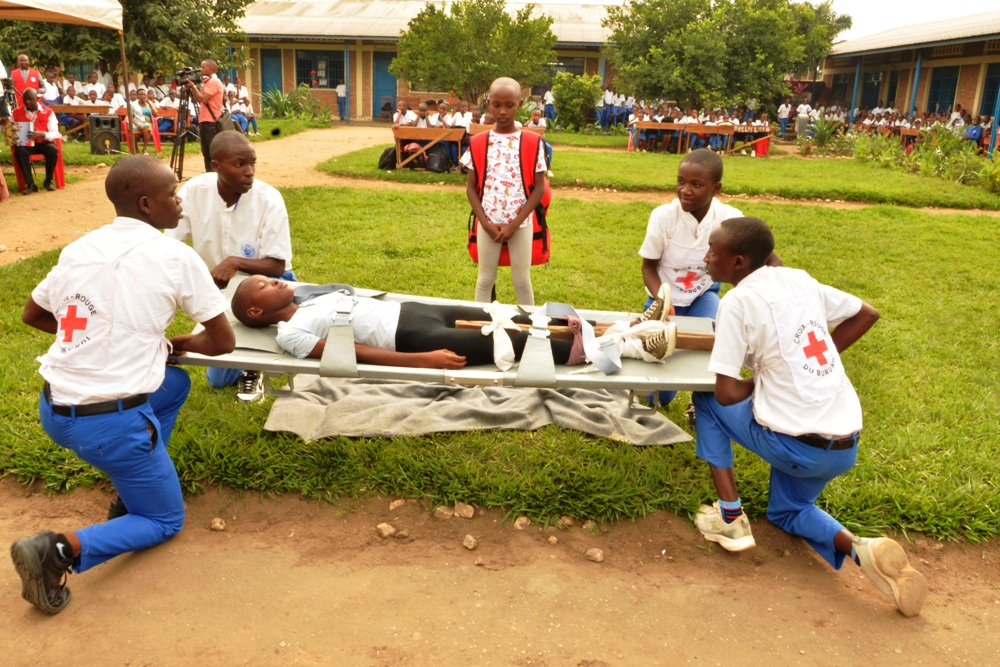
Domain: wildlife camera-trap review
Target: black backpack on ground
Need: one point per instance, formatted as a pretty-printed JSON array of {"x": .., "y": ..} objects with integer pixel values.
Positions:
[{"x": 387, "y": 160}]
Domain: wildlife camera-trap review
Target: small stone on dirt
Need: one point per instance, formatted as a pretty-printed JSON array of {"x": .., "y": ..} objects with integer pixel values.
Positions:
[
  {"x": 553, "y": 540},
  {"x": 566, "y": 521},
  {"x": 217, "y": 524},
  {"x": 444, "y": 513},
  {"x": 521, "y": 523},
  {"x": 385, "y": 530},
  {"x": 589, "y": 524},
  {"x": 469, "y": 542},
  {"x": 402, "y": 534},
  {"x": 479, "y": 562},
  {"x": 595, "y": 555},
  {"x": 396, "y": 504},
  {"x": 465, "y": 511}
]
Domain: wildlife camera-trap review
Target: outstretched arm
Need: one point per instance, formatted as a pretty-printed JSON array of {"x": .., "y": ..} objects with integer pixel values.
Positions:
[
  {"x": 216, "y": 338},
  {"x": 375, "y": 355},
  {"x": 227, "y": 268}
]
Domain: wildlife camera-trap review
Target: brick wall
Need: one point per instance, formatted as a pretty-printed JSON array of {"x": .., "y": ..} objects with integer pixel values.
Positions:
[{"x": 968, "y": 80}]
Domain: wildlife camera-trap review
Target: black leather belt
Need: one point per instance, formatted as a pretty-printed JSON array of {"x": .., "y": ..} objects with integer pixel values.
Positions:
[
  {"x": 90, "y": 409},
  {"x": 828, "y": 443}
]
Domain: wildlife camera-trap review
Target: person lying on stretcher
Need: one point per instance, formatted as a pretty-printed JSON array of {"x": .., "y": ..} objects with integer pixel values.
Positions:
[{"x": 412, "y": 334}]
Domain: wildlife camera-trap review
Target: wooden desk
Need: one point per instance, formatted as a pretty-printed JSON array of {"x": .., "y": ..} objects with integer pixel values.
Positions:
[
  {"x": 663, "y": 127},
  {"x": 432, "y": 135}
]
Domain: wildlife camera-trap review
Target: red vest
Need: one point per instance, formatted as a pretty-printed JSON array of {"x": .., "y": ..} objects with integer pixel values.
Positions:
[
  {"x": 541, "y": 245},
  {"x": 41, "y": 122},
  {"x": 33, "y": 80}
]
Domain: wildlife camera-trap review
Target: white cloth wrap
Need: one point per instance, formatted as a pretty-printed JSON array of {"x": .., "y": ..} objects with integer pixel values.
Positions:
[
  {"x": 627, "y": 338},
  {"x": 502, "y": 319}
]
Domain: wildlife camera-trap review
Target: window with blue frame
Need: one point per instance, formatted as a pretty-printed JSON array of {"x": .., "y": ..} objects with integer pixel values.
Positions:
[
  {"x": 870, "y": 88},
  {"x": 839, "y": 91},
  {"x": 319, "y": 69},
  {"x": 990, "y": 88},
  {"x": 941, "y": 95}
]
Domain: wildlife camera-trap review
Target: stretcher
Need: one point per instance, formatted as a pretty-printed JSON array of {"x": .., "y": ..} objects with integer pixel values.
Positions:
[{"x": 684, "y": 370}]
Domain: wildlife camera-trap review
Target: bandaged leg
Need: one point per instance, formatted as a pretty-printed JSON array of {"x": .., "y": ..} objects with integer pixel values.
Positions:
[{"x": 650, "y": 341}]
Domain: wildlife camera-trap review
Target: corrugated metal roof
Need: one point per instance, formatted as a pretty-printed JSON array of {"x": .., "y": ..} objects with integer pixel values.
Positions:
[
  {"x": 574, "y": 21},
  {"x": 984, "y": 25}
]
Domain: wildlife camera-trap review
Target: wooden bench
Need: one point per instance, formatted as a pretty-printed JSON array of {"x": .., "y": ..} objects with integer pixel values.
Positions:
[
  {"x": 766, "y": 133},
  {"x": 663, "y": 127},
  {"x": 432, "y": 135},
  {"x": 85, "y": 109}
]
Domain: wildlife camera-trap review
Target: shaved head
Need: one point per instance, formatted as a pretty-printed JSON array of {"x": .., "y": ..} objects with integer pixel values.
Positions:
[
  {"x": 225, "y": 143},
  {"x": 708, "y": 160},
  {"x": 505, "y": 83},
  {"x": 133, "y": 178}
]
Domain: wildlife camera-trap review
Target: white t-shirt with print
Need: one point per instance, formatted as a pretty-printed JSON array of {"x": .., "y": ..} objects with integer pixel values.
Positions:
[
  {"x": 374, "y": 323},
  {"x": 503, "y": 190}
]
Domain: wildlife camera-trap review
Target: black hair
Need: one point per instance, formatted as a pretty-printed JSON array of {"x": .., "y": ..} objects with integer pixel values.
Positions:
[
  {"x": 708, "y": 160},
  {"x": 241, "y": 303},
  {"x": 751, "y": 237}
]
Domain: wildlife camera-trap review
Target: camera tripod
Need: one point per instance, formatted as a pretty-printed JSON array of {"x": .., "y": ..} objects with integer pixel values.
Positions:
[{"x": 181, "y": 136}]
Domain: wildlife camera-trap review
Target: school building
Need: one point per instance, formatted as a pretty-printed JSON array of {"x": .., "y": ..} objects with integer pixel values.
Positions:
[
  {"x": 320, "y": 42},
  {"x": 925, "y": 67}
]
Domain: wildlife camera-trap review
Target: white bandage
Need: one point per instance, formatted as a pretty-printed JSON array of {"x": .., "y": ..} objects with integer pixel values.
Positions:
[
  {"x": 502, "y": 319},
  {"x": 628, "y": 339}
]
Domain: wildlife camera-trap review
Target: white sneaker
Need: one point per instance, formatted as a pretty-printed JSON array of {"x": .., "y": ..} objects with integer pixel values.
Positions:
[
  {"x": 250, "y": 387},
  {"x": 549, "y": 174},
  {"x": 735, "y": 536},
  {"x": 885, "y": 563}
]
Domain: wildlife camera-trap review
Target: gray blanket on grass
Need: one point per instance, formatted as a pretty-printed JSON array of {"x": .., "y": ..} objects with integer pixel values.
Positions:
[{"x": 324, "y": 407}]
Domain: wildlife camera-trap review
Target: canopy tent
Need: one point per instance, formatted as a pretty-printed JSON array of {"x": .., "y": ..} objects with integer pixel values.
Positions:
[{"x": 96, "y": 13}]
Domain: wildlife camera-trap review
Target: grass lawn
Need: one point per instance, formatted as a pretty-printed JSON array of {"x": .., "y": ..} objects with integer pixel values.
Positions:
[
  {"x": 791, "y": 177},
  {"x": 925, "y": 373}
]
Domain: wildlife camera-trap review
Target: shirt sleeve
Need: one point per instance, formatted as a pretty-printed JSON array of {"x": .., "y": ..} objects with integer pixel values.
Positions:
[
  {"x": 656, "y": 239},
  {"x": 295, "y": 340},
  {"x": 52, "y": 128},
  {"x": 276, "y": 240},
  {"x": 197, "y": 294},
  {"x": 731, "y": 345},
  {"x": 839, "y": 305},
  {"x": 540, "y": 158},
  {"x": 466, "y": 160}
]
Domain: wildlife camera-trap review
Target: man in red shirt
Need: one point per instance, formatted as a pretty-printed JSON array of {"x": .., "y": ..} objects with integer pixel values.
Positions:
[
  {"x": 210, "y": 99},
  {"x": 24, "y": 77},
  {"x": 43, "y": 130}
]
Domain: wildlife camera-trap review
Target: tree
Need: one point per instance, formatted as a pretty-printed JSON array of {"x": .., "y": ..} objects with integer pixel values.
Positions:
[
  {"x": 466, "y": 46},
  {"x": 576, "y": 96},
  {"x": 159, "y": 37},
  {"x": 721, "y": 52}
]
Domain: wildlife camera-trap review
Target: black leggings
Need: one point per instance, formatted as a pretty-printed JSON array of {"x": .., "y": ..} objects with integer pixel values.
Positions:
[{"x": 425, "y": 327}]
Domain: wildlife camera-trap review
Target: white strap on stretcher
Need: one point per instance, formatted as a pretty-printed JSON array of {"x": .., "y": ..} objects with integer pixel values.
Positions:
[
  {"x": 537, "y": 367},
  {"x": 339, "y": 359}
]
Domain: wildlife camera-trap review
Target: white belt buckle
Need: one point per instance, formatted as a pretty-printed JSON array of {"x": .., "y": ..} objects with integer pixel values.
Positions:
[{"x": 345, "y": 308}]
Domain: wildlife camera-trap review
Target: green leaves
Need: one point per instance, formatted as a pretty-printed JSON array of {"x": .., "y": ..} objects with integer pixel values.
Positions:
[
  {"x": 719, "y": 53},
  {"x": 159, "y": 37},
  {"x": 466, "y": 47}
]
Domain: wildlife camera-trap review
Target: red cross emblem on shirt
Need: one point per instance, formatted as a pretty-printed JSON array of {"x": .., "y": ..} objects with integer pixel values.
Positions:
[
  {"x": 816, "y": 348},
  {"x": 71, "y": 323},
  {"x": 687, "y": 280}
]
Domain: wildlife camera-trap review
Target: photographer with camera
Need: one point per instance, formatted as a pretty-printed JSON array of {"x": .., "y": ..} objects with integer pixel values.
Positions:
[{"x": 210, "y": 100}]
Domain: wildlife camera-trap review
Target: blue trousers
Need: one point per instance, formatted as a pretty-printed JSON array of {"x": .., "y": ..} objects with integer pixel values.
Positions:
[
  {"x": 240, "y": 120},
  {"x": 227, "y": 377},
  {"x": 706, "y": 305},
  {"x": 550, "y": 112},
  {"x": 799, "y": 473},
  {"x": 120, "y": 445},
  {"x": 341, "y": 106},
  {"x": 784, "y": 126}
]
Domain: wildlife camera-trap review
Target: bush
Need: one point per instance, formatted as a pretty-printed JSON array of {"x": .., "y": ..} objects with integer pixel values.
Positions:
[
  {"x": 299, "y": 103},
  {"x": 576, "y": 97}
]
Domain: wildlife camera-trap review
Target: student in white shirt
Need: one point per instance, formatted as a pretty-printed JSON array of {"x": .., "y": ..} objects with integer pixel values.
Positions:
[
  {"x": 798, "y": 412},
  {"x": 784, "y": 111},
  {"x": 404, "y": 116}
]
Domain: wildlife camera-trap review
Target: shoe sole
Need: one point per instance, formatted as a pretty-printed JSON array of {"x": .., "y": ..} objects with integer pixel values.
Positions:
[
  {"x": 729, "y": 544},
  {"x": 909, "y": 587},
  {"x": 29, "y": 568}
]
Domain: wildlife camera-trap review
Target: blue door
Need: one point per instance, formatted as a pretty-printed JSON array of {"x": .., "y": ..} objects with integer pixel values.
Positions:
[
  {"x": 270, "y": 69},
  {"x": 383, "y": 86}
]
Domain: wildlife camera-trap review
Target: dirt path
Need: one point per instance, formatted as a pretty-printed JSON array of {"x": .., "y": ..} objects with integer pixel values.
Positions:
[{"x": 293, "y": 582}]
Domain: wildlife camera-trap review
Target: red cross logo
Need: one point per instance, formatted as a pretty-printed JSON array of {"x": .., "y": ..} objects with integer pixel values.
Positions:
[
  {"x": 688, "y": 280},
  {"x": 816, "y": 348},
  {"x": 72, "y": 323}
]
